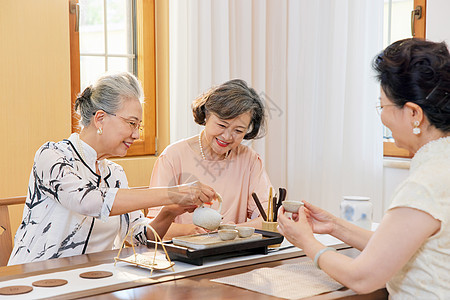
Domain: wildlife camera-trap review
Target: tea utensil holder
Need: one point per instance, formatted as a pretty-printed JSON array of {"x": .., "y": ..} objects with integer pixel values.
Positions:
[{"x": 144, "y": 260}]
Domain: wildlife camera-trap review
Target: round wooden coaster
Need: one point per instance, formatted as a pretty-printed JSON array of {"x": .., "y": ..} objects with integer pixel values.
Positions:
[
  {"x": 15, "y": 290},
  {"x": 49, "y": 282},
  {"x": 96, "y": 274}
]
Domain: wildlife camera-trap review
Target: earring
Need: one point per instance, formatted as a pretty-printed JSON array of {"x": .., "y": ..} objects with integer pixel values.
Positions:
[
  {"x": 99, "y": 131},
  {"x": 416, "y": 129}
]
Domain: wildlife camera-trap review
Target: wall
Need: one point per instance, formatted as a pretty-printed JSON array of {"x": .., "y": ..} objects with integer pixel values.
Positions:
[
  {"x": 438, "y": 21},
  {"x": 35, "y": 85}
]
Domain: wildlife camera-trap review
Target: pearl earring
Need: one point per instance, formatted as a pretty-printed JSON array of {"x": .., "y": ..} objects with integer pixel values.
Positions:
[
  {"x": 416, "y": 129},
  {"x": 99, "y": 131}
]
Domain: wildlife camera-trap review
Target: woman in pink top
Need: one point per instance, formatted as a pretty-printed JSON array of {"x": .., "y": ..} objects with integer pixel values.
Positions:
[{"x": 230, "y": 113}]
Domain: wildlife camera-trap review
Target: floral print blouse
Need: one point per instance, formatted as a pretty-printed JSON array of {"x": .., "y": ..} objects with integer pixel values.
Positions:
[{"x": 65, "y": 198}]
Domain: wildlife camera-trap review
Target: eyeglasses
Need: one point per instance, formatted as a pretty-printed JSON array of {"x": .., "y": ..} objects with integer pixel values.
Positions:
[
  {"x": 379, "y": 108},
  {"x": 134, "y": 125}
]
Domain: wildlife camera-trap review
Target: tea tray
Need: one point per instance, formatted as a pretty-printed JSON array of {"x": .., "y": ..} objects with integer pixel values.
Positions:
[
  {"x": 222, "y": 250},
  {"x": 209, "y": 240}
]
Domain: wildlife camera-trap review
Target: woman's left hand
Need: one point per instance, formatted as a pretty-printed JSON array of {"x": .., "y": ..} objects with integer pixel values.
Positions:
[{"x": 298, "y": 231}]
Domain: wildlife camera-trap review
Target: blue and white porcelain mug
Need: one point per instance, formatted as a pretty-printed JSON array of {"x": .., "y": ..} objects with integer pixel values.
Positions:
[{"x": 357, "y": 210}]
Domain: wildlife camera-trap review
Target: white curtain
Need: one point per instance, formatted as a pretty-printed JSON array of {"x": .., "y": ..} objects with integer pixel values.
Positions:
[{"x": 311, "y": 63}]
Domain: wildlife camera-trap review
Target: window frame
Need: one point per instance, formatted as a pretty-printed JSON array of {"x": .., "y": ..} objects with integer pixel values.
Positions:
[
  {"x": 146, "y": 73},
  {"x": 389, "y": 147}
]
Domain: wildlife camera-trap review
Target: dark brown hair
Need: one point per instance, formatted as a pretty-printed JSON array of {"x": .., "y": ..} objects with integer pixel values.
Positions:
[
  {"x": 418, "y": 71},
  {"x": 229, "y": 100}
]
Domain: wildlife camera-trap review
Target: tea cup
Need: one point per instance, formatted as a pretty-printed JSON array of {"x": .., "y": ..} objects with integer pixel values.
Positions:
[
  {"x": 292, "y": 206},
  {"x": 245, "y": 232},
  {"x": 228, "y": 234}
]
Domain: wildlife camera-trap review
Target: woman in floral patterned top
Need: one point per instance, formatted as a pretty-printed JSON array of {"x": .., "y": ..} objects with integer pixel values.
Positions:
[
  {"x": 78, "y": 201},
  {"x": 410, "y": 250}
]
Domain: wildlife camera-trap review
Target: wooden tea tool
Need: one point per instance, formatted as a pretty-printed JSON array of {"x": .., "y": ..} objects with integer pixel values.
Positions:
[{"x": 259, "y": 205}]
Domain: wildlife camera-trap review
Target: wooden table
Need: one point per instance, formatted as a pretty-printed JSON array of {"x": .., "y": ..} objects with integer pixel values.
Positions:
[{"x": 192, "y": 286}]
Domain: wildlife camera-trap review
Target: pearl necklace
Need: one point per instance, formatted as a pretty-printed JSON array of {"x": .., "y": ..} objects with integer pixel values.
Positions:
[
  {"x": 200, "y": 144},
  {"x": 201, "y": 147}
]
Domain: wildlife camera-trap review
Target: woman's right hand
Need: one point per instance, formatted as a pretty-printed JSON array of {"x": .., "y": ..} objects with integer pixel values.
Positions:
[
  {"x": 320, "y": 220},
  {"x": 174, "y": 210},
  {"x": 194, "y": 193}
]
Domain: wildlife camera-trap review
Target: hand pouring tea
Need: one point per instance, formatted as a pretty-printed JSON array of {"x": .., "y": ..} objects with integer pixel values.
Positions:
[{"x": 207, "y": 217}]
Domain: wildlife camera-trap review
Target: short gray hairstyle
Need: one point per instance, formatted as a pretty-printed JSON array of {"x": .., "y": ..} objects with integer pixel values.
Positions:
[
  {"x": 229, "y": 100},
  {"x": 107, "y": 94}
]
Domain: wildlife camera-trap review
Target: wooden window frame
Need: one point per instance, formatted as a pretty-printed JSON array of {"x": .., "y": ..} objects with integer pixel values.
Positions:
[
  {"x": 146, "y": 62},
  {"x": 389, "y": 148}
]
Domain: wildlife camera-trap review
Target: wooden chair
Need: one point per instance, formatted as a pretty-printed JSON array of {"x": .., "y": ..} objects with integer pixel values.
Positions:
[{"x": 6, "y": 243}]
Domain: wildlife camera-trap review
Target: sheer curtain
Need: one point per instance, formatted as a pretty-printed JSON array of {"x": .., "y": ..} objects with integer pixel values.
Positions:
[{"x": 311, "y": 63}]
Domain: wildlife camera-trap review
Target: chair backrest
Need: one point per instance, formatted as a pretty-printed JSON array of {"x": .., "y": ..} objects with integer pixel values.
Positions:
[{"x": 6, "y": 243}]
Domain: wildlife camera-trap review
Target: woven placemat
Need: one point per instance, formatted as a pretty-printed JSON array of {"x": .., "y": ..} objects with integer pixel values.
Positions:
[{"x": 289, "y": 281}]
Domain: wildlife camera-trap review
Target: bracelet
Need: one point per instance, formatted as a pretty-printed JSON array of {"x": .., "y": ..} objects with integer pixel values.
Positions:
[{"x": 322, "y": 251}]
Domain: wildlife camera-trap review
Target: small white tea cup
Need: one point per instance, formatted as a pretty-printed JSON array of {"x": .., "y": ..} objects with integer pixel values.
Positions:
[
  {"x": 228, "y": 234},
  {"x": 292, "y": 206},
  {"x": 245, "y": 232}
]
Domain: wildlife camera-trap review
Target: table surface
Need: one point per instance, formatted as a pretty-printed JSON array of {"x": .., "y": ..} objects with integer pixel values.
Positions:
[{"x": 196, "y": 286}]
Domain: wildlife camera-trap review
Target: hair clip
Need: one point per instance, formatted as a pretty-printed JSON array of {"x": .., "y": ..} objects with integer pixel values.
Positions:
[{"x": 433, "y": 90}]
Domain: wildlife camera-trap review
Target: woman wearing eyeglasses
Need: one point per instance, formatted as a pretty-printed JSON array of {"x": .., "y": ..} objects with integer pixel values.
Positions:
[
  {"x": 410, "y": 250},
  {"x": 78, "y": 201},
  {"x": 230, "y": 113}
]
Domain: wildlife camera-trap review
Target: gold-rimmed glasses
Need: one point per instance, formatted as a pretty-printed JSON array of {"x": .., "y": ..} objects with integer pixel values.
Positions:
[{"x": 133, "y": 124}]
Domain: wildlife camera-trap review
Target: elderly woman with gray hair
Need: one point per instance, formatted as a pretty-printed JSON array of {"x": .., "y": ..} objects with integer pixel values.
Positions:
[
  {"x": 78, "y": 201},
  {"x": 230, "y": 113}
]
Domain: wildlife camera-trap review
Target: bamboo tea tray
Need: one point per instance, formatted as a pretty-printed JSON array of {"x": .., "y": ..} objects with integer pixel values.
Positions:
[
  {"x": 215, "y": 248},
  {"x": 209, "y": 240}
]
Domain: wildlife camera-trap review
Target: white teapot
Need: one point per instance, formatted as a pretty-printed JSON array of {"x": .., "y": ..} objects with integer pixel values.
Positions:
[{"x": 207, "y": 217}]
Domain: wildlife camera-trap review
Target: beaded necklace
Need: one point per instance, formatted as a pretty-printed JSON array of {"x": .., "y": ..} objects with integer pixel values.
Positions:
[
  {"x": 200, "y": 144},
  {"x": 201, "y": 147}
]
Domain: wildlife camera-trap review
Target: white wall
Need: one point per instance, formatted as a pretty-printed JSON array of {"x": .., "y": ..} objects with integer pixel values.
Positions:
[{"x": 438, "y": 21}]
